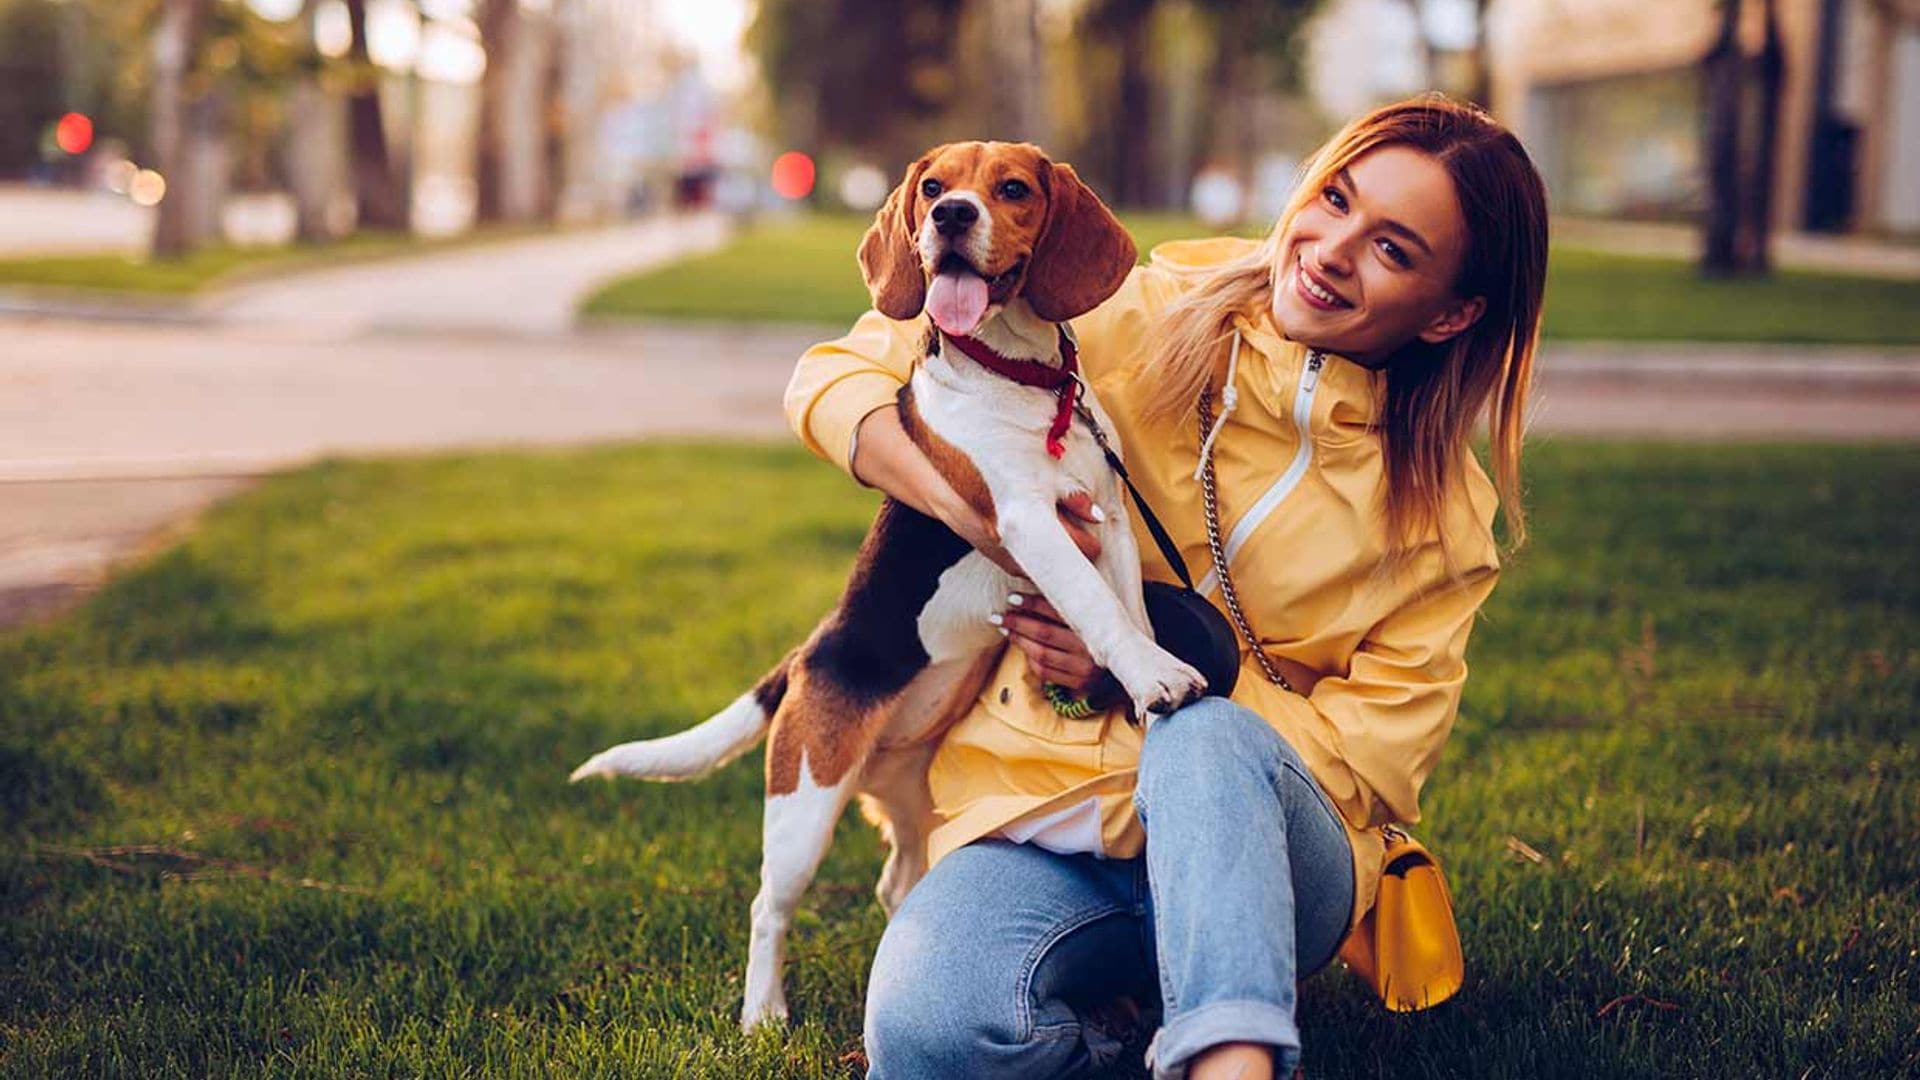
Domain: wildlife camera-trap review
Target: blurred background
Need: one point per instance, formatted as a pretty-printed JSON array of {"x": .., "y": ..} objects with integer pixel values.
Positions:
[{"x": 166, "y": 126}]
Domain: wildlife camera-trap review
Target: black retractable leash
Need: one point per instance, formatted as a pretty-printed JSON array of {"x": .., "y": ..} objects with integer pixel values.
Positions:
[{"x": 1184, "y": 623}]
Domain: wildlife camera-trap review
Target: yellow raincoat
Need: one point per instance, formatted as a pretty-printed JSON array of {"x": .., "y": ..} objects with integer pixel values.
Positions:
[{"x": 1300, "y": 474}]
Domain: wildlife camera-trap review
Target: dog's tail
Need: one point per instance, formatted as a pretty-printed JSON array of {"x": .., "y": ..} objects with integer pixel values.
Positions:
[{"x": 699, "y": 750}]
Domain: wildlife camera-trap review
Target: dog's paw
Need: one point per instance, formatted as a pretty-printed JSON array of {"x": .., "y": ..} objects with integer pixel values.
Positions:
[
  {"x": 1156, "y": 681},
  {"x": 766, "y": 1011}
]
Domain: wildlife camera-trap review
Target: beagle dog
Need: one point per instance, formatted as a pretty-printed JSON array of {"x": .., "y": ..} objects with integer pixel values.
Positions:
[{"x": 999, "y": 246}]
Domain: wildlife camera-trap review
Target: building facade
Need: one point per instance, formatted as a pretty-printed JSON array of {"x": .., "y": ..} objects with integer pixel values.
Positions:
[{"x": 1608, "y": 94}]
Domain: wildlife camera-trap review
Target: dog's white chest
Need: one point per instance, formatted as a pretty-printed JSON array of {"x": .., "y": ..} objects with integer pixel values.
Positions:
[{"x": 1002, "y": 427}]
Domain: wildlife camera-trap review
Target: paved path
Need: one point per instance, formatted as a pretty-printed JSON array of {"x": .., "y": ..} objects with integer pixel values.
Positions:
[{"x": 530, "y": 286}]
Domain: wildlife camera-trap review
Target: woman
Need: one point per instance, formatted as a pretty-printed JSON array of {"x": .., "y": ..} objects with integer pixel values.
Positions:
[{"x": 1227, "y": 851}]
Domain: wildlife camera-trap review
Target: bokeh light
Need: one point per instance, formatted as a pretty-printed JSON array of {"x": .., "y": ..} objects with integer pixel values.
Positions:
[
  {"x": 863, "y": 187},
  {"x": 74, "y": 133},
  {"x": 120, "y": 175},
  {"x": 793, "y": 175},
  {"x": 332, "y": 29},
  {"x": 1217, "y": 197},
  {"x": 148, "y": 188}
]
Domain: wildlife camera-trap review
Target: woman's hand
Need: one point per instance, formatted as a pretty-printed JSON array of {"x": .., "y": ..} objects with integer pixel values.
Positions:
[{"x": 1054, "y": 652}]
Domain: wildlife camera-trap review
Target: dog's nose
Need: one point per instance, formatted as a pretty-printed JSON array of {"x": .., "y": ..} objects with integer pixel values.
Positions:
[{"x": 954, "y": 216}]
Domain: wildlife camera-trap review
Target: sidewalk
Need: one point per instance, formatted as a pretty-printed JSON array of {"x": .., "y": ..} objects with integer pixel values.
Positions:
[{"x": 530, "y": 286}]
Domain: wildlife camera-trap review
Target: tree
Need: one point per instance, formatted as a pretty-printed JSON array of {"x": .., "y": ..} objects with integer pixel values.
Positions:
[
  {"x": 176, "y": 40},
  {"x": 305, "y": 151},
  {"x": 846, "y": 78},
  {"x": 1476, "y": 84},
  {"x": 511, "y": 172},
  {"x": 383, "y": 198},
  {"x": 1256, "y": 51},
  {"x": 1133, "y": 137},
  {"x": 1743, "y": 97}
]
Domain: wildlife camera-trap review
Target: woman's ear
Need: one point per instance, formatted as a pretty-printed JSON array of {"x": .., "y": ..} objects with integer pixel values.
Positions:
[
  {"x": 889, "y": 256},
  {"x": 1457, "y": 319},
  {"x": 1083, "y": 255}
]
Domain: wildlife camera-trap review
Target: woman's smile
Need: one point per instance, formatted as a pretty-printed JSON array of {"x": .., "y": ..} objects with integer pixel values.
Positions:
[{"x": 1317, "y": 292}]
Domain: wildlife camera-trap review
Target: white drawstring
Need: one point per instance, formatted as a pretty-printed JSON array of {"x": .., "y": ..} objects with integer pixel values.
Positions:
[{"x": 1229, "y": 397}]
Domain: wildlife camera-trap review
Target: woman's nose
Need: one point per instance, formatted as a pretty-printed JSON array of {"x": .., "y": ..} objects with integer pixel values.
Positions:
[{"x": 1335, "y": 252}]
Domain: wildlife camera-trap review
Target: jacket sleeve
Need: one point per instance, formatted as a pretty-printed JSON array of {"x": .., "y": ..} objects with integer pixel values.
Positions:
[
  {"x": 838, "y": 383},
  {"x": 1372, "y": 735}
]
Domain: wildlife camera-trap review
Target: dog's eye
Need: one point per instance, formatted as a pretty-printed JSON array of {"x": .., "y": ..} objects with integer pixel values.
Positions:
[
  {"x": 1014, "y": 189},
  {"x": 930, "y": 188}
]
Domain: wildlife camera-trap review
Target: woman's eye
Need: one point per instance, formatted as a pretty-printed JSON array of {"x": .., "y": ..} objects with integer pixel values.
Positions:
[
  {"x": 1014, "y": 189},
  {"x": 1334, "y": 198},
  {"x": 930, "y": 188},
  {"x": 1395, "y": 253}
]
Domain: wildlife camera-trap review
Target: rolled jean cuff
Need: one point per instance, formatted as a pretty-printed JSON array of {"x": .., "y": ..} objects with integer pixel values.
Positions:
[{"x": 1175, "y": 1045}]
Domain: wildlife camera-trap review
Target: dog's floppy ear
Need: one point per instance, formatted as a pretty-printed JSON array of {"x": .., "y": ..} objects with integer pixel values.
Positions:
[
  {"x": 889, "y": 256},
  {"x": 1084, "y": 254}
]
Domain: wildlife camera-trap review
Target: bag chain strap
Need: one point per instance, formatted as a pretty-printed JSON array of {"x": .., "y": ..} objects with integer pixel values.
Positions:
[{"x": 1219, "y": 555}]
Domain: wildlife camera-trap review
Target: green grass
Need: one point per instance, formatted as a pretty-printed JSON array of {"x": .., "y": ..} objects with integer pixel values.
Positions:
[
  {"x": 215, "y": 265},
  {"x": 805, "y": 272},
  {"x": 1594, "y": 296},
  {"x": 790, "y": 271},
  {"x": 1695, "y": 694}
]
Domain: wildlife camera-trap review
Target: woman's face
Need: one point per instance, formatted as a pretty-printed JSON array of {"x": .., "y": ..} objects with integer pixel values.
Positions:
[{"x": 1370, "y": 263}]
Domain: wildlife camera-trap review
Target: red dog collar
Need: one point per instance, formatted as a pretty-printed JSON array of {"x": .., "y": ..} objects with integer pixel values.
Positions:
[{"x": 1060, "y": 380}]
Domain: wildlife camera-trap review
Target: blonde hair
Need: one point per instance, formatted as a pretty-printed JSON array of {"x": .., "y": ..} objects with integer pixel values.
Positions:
[{"x": 1434, "y": 392}]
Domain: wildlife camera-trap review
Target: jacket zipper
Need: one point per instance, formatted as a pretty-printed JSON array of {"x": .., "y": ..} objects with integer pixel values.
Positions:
[{"x": 1290, "y": 479}]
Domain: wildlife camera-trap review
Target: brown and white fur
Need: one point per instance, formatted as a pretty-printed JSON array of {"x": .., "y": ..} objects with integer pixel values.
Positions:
[{"x": 858, "y": 708}]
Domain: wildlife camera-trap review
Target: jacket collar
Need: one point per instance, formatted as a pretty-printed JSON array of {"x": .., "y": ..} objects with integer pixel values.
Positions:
[{"x": 1355, "y": 393}]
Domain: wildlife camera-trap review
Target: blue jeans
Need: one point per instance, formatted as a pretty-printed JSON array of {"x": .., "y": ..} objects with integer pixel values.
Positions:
[{"x": 1246, "y": 885}]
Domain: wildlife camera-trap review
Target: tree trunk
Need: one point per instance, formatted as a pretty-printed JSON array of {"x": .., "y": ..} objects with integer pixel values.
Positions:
[
  {"x": 383, "y": 199},
  {"x": 551, "y": 110},
  {"x": 307, "y": 153},
  {"x": 498, "y": 21},
  {"x": 1725, "y": 75},
  {"x": 199, "y": 190},
  {"x": 1480, "y": 86},
  {"x": 575, "y": 181},
  {"x": 1756, "y": 233},
  {"x": 1019, "y": 88},
  {"x": 512, "y": 173},
  {"x": 1133, "y": 142},
  {"x": 174, "y": 42}
]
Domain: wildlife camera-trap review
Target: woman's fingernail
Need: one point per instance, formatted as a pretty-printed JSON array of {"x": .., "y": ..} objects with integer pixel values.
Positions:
[
  {"x": 1016, "y": 599},
  {"x": 995, "y": 619},
  {"x": 1003, "y": 630},
  {"x": 1096, "y": 513}
]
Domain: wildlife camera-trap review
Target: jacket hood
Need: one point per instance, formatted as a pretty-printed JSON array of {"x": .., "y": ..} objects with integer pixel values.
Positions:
[{"x": 1198, "y": 257}]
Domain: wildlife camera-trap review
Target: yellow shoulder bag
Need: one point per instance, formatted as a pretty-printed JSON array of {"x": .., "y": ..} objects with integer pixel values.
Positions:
[{"x": 1407, "y": 948}]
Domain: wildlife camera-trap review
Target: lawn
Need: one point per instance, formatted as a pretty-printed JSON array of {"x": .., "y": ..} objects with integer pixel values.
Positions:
[
  {"x": 290, "y": 799},
  {"x": 215, "y": 265},
  {"x": 805, "y": 272}
]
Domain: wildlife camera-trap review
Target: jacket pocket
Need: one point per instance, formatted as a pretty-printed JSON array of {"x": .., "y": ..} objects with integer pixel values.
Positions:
[{"x": 1018, "y": 703}]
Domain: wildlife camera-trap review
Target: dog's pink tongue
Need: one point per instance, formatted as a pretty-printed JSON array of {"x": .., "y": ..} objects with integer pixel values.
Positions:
[{"x": 956, "y": 301}]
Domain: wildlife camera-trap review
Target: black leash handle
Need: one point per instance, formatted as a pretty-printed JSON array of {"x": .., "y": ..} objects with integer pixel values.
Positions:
[{"x": 1167, "y": 549}]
